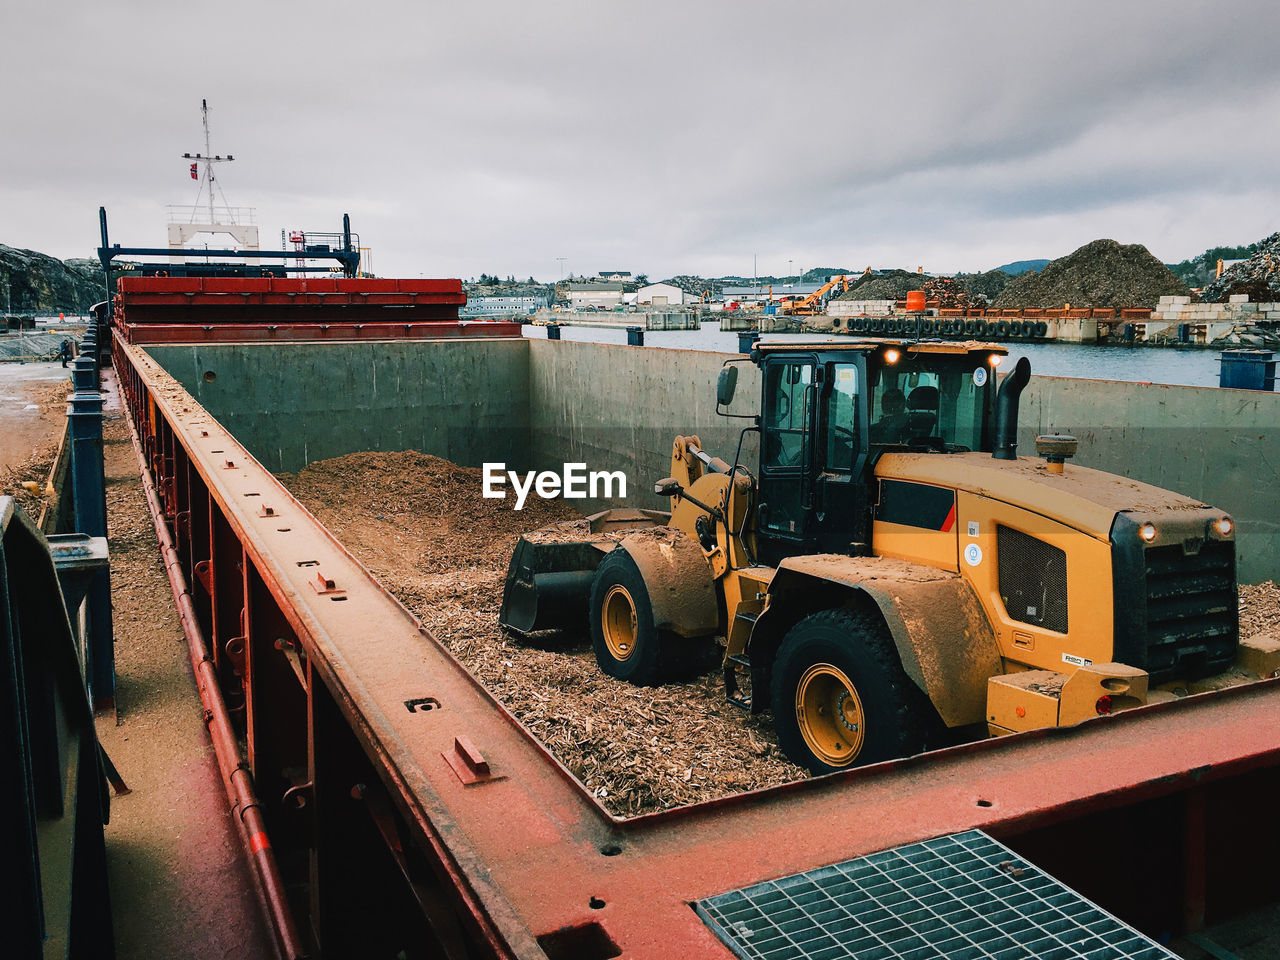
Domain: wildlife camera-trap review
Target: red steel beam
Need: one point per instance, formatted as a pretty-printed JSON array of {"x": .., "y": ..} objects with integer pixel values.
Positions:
[
  {"x": 235, "y": 775},
  {"x": 529, "y": 851},
  {"x": 224, "y": 332},
  {"x": 211, "y": 309}
]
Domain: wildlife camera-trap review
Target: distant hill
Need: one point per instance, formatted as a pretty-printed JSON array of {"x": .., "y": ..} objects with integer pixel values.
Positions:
[
  {"x": 1201, "y": 270},
  {"x": 37, "y": 284},
  {"x": 1021, "y": 266}
]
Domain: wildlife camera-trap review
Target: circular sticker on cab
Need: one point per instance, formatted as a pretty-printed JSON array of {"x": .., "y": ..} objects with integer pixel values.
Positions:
[
  {"x": 973, "y": 554},
  {"x": 979, "y": 376}
]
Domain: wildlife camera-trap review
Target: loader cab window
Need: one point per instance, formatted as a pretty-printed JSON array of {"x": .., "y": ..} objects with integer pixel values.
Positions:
[
  {"x": 785, "y": 446},
  {"x": 938, "y": 407},
  {"x": 786, "y": 413}
]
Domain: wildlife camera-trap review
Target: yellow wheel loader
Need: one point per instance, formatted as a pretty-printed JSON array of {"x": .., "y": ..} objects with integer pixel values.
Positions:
[{"x": 891, "y": 570}]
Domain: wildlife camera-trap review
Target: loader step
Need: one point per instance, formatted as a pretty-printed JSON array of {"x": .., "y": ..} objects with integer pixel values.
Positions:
[{"x": 731, "y": 689}]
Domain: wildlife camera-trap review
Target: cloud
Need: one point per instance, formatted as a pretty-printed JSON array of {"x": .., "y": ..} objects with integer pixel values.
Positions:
[{"x": 660, "y": 138}]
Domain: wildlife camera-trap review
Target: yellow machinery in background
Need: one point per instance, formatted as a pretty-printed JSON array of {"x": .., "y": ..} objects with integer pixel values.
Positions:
[{"x": 814, "y": 302}]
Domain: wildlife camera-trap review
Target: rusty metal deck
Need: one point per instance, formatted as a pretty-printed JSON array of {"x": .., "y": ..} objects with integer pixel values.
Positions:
[{"x": 358, "y": 715}]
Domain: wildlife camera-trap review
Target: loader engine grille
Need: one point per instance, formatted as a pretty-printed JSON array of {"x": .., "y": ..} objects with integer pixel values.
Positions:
[
  {"x": 1191, "y": 609},
  {"x": 1033, "y": 579}
]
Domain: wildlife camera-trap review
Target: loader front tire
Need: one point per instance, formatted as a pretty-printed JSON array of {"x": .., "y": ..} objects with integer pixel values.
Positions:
[
  {"x": 840, "y": 698},
  {"x": 627, "y": 644}
]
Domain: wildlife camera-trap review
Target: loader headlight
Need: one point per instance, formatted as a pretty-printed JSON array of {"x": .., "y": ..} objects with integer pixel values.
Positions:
[
  {"x": 891, "y": 355},
  {"x": 1147, "y": 532},
  {"x": 994, "y": 359},
  {"x": 1224, "y": 526}
]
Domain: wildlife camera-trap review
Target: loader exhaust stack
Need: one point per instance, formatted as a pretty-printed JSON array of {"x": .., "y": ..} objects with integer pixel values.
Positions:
[{"x": 1005, "y": 446}]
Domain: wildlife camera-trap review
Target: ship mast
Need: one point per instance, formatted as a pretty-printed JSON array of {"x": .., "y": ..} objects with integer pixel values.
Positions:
[
  {"x": 207, "y": 159},
  {"x": 238, "y": 222}
]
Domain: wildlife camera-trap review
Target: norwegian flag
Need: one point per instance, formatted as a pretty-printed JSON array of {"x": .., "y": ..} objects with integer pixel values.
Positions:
[{"x": 194, "y": 175}]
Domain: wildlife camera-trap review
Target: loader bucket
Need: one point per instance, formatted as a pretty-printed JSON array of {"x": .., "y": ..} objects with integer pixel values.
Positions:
[
  {"x": 548, "y": 585},
  {"x": 549, "y": 577}
]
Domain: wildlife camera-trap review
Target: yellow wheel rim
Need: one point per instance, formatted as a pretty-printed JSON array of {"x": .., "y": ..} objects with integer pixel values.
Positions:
[
  {"x": 829, "y": 713},
  {"x": 618, "y": 620}
]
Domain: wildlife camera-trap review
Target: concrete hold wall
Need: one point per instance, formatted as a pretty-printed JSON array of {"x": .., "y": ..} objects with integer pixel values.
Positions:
[
  {"x": 537, "y": 404},
  {"x": 616, "y": 407},
  {"x": 1221, "y": 446},
  {"x": 293, "y": 403}
]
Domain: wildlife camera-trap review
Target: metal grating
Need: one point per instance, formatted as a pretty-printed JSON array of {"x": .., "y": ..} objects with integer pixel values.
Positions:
[{"x": 959, "y": 897}]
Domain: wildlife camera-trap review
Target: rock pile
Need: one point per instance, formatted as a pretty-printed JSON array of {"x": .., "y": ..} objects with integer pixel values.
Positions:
[
  {"x": 1103, "y": 273},
  {"x": 951, "y": 293},
  {"x": 1258, "y": 277}
]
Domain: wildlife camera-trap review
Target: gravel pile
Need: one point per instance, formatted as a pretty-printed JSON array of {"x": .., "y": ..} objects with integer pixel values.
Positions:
[
  {"x": 889, "y": 285},
  {"x": 1100, "y": 274},
  {"x": 1258, "y": 277},
  {"x": 986, "y": 286}
]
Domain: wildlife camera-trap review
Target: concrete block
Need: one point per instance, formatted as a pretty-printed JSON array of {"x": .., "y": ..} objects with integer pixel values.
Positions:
[{"x": 1238, "y": 298}]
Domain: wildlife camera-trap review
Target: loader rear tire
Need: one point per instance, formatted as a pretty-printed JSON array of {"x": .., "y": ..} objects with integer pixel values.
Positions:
[
  {"x": 839, "y": 695},
  {"x": 627, "y": 644}
]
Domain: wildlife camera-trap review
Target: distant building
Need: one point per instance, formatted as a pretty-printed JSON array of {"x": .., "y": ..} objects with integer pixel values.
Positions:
[
  {"x": 660, "y": 295},
  {"x": 622, "y": 275},
  {"x": 594, "y": 295},
  {"x": 761, "y": 294},
  {"x": 501, "y": 306}
]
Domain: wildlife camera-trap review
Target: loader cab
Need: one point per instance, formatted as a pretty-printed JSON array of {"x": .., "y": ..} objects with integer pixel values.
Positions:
[{"x": 829, "y": 411}]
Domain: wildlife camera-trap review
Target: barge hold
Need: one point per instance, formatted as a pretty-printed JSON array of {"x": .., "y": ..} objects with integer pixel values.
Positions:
[{"x": 407, "y": 810}]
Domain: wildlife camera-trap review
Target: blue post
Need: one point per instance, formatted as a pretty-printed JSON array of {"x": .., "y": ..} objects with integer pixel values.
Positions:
[
  {"x": 747, "y": 340},
  {"x": 553, "y": 331},
  {"x": 635, "y": 336},
  {"x": 89, "y": 348},
  {"x": 1247, "y": 370},
  {"x": 89, "y": 498}
]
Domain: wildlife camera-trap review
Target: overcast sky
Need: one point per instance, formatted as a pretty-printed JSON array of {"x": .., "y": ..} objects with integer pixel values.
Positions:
[{"x": 656, "y": 137}]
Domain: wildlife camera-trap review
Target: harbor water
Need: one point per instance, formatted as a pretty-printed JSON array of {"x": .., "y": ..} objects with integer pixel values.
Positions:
[{"x": 1196, "y": 367}]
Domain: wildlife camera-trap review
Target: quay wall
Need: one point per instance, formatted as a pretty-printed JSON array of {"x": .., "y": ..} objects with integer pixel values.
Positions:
[{"x": 536, "y": 404}]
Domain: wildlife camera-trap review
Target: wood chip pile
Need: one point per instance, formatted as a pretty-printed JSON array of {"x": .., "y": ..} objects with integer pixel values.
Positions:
[
  {"x": 1259, "y": 609},
  {"x": 421, "y": 526}
]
